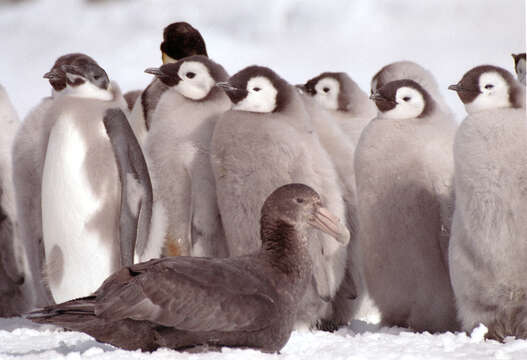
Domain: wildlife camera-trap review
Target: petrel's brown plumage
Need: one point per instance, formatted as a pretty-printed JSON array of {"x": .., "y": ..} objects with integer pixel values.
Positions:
[{"x": 190, "y": 302}]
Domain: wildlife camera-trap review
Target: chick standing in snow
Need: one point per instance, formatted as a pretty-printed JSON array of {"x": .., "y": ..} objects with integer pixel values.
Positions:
[
  {"x": 488, "y": 248},
  {"x": 177, "y": 148},
  {"x": 404, "y": 166},
  {"x": 265, "y": 141}
]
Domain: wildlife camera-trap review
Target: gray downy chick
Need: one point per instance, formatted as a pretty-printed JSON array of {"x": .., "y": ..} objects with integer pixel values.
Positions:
[
  {"x": 404, "y": 169},
  {"x": 265, "y": 141},
  {"x": 177, "y": 148},
  {"x": 487, "y": 247}
]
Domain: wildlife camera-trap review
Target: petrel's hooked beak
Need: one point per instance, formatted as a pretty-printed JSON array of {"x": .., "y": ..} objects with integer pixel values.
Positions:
[
  {"x": 234, "y": 93},
  {"x": 330, "y": 224}
]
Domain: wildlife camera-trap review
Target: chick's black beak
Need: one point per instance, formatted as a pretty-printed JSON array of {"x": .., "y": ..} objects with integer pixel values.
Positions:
[
  {"x": 325, "y": 221},
  {"x": 455, "y": 87},
  {"x": 234, "y": 93},
  {"x": 376, "y": 96},
  {"x": 53, "y": 75}
]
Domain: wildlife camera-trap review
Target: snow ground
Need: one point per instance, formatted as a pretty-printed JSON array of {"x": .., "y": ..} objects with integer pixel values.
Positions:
[
  {"x": 297, "y": 38},
  {"x": 22, "y": 340}
]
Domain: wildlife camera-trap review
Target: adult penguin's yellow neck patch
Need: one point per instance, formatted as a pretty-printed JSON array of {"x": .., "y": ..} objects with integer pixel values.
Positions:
[{"x": 167, "y": 59}]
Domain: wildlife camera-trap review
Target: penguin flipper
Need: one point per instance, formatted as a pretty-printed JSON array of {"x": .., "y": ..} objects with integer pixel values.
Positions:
[{"x": 136, "y": 186}]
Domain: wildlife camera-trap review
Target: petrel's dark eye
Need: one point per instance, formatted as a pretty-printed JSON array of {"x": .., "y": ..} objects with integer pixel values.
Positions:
[
  {"x": 326, "y": 89},
  {"x": 190, "y": 74},
  {"x": 97, "y": 77},
  {"x": 299, "y": 200},
  {"x": 256, "y": 89},
  {"x": 407, "y": 98},
  {"x": 489, "y": 86}
]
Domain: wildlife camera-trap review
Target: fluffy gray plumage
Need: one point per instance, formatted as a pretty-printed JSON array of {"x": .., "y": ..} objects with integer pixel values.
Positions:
[
  {"x": 177, "y": 148},
  {"x": 488, "y": 248},
  {"x": 341, "y": 151},
  {"x": 14, "y": 296},
  {"x": 29, "y": 150},
  {"x": 404, "y": 170},
  {"x": 189, "y": 303},
  {"x": 254, "y": 152},
  {"x": 143, "y": 109}
]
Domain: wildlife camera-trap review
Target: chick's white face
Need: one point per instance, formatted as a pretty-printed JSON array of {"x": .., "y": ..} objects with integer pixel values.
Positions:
[
  {"x": 494, "y": 93},
  {"x": 196, "y": 81},
  {"x": 328, "y": 93},
  {"x": 261, "y": 96},
  {"x": 410, "y": 104},
  {"x": 87, "y": 90}
]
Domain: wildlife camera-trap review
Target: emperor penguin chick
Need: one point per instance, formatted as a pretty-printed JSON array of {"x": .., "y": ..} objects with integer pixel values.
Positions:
[
  {"x": 265, "y": 141},
  {"x": 340, "y": 150},
  {"x": 96, "y": 192},
  {"x": 404, "y": 169},
  {"x": 180, "y": 39},
  {"x": 519, "y": 66},
  {"x": 488, "y": 251},
  {"x": 14, "y": 296},
  {"x": 344, "y": 99},
  {"x": 178, "y": 151},
  {"x": 401, "y": 70},
  {"x": 29, "y": 150}
]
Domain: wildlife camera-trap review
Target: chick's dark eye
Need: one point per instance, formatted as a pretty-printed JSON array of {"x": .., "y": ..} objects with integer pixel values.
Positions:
[
  {"x": 97, "y": 77},
  {"x": 256, "y": 89},
  {"x": 407, "y": 98},
  {"x": 489, "y": 86},
  {"x": 326, "y": 89},
  {"x": 299, "y": 200},
  {"x": 190, "y": 74}
]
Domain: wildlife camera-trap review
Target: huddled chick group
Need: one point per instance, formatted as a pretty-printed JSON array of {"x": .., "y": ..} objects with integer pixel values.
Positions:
[{"x": 209, "y": 211}]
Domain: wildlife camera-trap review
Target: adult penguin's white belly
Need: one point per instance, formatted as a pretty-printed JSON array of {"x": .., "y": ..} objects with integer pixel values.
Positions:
[{"x": 79, "y": 253}]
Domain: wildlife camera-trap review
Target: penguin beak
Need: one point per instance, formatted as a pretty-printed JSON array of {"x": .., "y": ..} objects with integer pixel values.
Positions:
[
  {"x": 54, "y": 74},
  {"x": 330, "y": 224},
  {"x": 235, "y": 94},
  {"x": 455, "y": 87},
  {"x": 378, "y": 97},
  {"x": 160, "y": 74}
]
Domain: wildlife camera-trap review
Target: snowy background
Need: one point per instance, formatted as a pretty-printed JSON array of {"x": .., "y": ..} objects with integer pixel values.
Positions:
[{"x": 298, "y": 39}]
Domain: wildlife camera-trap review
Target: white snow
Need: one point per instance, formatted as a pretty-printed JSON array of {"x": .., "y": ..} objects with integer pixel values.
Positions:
[
  {"x": 299, "y": 39},
  {"x": 24, "y": 340}
]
